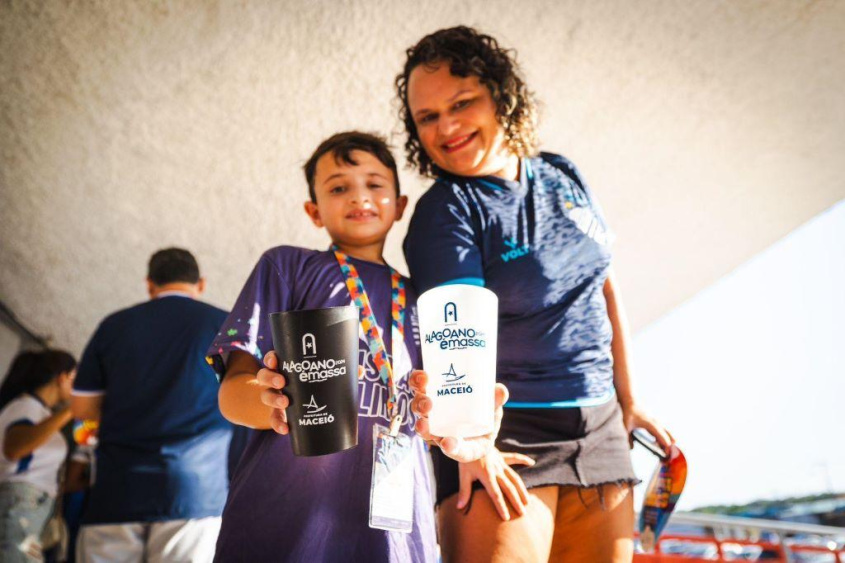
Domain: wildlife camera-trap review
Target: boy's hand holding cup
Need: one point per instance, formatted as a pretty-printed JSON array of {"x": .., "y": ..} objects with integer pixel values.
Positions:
[
  {"x": 273, "y": 383},
  {"x": 316, "y": 362}
]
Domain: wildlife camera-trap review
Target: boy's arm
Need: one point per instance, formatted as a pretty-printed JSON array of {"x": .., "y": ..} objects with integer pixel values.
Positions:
[{"x": 240, "y": 393}]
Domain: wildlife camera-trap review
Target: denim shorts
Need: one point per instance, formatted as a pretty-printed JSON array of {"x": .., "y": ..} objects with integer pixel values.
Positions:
[
  {"x": 24, "y": 510},
  {"x": 581, "y": 446}
]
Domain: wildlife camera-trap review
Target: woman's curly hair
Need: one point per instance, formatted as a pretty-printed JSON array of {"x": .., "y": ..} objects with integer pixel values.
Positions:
[{"x": 469, "y": 52}]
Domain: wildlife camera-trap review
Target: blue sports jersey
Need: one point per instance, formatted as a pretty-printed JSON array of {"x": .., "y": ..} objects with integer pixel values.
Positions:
[
  {"x": 162, "y": 441},
  {"x": 541, "y": 244}
]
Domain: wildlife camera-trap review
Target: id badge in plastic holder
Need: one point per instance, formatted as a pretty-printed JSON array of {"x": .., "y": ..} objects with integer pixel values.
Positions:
[{"x": 392, "y": 485}]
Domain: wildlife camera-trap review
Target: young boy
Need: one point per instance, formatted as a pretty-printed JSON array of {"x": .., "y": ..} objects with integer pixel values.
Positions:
[{"x": 286, "y": 508}]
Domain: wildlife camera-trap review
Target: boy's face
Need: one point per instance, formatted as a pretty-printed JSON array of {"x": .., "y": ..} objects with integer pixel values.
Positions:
[{"x": 357, "y": 204}]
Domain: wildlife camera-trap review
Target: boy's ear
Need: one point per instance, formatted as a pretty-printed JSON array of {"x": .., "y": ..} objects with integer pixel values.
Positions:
[
  {"x": 401, "y": 204},
  {"x": 313, "y": 213}
]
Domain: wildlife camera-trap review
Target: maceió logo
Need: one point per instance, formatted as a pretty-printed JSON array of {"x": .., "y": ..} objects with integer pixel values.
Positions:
[
  {"x": 315, "y": 415},
  {"x": 452, "y": 385},
  {"x": 516, "y": 251},
  {"x": 454, "y": 390}
]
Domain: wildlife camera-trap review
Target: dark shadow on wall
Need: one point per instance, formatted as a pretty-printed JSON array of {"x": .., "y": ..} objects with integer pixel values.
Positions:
[{"x": 15, "y": 337}]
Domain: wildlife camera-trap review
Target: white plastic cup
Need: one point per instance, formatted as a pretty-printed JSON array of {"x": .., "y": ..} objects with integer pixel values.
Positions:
[{"x": 459, "y": 326}]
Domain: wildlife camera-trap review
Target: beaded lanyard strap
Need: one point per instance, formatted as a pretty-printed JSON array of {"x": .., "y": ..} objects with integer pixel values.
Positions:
[{"x": 373, "y": 331}]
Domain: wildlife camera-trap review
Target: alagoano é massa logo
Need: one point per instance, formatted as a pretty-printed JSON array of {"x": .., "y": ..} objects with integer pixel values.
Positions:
[
  {"x": 453, "y": 336},
  {"x": 314, "y": 371}
]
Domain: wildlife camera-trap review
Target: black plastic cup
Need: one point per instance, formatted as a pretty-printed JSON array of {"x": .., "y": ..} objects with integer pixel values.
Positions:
[{"x": 318, "y": 356}]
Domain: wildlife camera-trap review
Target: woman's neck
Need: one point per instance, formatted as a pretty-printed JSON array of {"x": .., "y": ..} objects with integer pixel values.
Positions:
[
  {"x": 366, "y": 252},
  {"x": 510, "y": 170}
]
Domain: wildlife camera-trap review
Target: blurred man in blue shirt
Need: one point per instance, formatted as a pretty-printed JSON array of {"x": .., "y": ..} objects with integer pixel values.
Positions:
[{"x": 161, "y": 475}]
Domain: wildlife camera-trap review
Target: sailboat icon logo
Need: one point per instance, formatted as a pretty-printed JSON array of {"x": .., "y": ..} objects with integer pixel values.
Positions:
[
  {"x": 451, "y": 376},
  {"x": 313, "y": 407}
]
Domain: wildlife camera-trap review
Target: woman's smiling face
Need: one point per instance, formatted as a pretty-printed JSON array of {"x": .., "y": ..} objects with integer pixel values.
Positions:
[{"x": 456, "y": 123}]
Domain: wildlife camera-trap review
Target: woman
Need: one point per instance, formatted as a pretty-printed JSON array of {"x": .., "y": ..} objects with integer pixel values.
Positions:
[
  {"x": 33, "y": 409},
  {"x": 525, "y": 225}
]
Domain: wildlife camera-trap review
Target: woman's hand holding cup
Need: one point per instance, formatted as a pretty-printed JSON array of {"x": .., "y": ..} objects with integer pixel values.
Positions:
[
  {"x": 463, "y": 450},
  {"x": 478, "y": 457}
]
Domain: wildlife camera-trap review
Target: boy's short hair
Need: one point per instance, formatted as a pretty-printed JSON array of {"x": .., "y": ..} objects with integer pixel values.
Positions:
[
  {"x": 341, "y": 146},
  {"x": 172, "y": 265}
]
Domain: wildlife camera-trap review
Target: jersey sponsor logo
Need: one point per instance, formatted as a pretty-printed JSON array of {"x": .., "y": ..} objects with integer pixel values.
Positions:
[{"x": 515, "y": 251}]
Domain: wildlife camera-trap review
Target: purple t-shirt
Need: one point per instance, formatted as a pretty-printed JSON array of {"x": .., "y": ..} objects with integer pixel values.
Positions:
[{"x": 287, "y": 508}]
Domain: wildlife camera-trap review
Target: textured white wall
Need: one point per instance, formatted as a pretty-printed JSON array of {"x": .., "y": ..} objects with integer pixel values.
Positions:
[
  {"x": 10, "y": 344},
  {"x": 708, "y": 130}
]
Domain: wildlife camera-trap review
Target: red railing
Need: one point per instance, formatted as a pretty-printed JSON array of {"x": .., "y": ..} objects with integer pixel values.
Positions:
[{"x": 689, "y": 549}]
